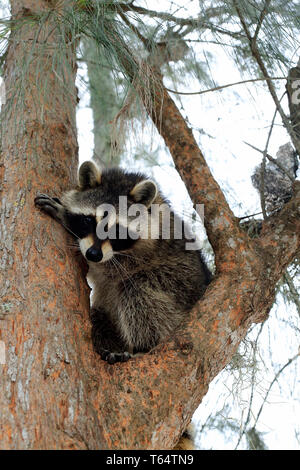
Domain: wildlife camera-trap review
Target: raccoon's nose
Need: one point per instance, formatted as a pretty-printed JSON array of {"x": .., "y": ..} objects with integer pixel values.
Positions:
[{"x": 94, "y": 254}]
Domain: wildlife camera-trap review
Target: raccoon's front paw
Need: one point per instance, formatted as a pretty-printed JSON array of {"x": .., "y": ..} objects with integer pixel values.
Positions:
[
  {"x": 113, "y": 357},
  {"x": 50, "y": 205}
]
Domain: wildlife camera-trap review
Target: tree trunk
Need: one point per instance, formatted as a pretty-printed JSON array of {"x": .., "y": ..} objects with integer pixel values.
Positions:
[
  {"x": 55, "y": 392},
  {"x": 44, "y": 312}
]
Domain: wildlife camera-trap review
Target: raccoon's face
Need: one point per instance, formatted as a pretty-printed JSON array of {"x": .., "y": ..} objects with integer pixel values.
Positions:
[{"x": 94, "y": 215}]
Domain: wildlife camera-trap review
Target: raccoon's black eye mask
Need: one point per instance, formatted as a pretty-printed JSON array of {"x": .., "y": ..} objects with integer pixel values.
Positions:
[
  {"x": 81, "y": 225},
  {"x": 119, "y": 236},
  {"x": 119, "y": 243},
  {"x": 84, "y": 225}
]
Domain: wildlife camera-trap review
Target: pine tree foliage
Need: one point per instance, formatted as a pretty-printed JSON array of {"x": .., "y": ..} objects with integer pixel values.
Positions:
[{"x": 105, "y": 102}]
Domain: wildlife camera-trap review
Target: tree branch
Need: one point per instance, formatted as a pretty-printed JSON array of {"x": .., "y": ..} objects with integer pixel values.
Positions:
[
  {"x": 293, "y": 290},
  {"x": 263, "y": 13},
  {"x": 273, "y": 160},
  {"x": 220, "y": 87},
  {"x": 193, "y": 23},
  {"x": 287, "y": 364}
]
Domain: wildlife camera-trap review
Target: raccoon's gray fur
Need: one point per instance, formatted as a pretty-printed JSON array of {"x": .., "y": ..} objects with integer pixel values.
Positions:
[{"x": 142, "y": 289}]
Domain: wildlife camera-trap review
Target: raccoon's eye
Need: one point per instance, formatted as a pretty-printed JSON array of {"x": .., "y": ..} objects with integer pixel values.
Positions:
[
  {"x": 89, "y": 220},
  {"x": 80, "y": 225},
  {"x": 88, "y": 224}
]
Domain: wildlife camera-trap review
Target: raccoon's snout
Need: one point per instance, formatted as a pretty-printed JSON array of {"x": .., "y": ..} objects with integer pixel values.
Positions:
[{"x": 94, "y": 254}]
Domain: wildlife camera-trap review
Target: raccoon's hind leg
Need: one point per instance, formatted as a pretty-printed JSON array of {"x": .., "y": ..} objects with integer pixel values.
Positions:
[{"x": 106, "y": 340}]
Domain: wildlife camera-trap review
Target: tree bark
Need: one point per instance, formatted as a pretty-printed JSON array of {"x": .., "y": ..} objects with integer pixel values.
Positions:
[
  {"x": 55, "y": 392},
  {"x": 44, "y": 301}
]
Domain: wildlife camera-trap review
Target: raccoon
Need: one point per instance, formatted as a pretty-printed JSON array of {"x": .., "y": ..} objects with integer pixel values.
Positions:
[{"x": 143, "y": 283}]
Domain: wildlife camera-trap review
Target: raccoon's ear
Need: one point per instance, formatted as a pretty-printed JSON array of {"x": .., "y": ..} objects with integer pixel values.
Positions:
[
  {"x": 144, "y": 192},
  {"x": 89, "y": 175}
]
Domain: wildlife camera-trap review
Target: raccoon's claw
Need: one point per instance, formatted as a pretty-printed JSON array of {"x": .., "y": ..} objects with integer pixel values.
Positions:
[
  {"x": 113, "y": 357},
  {"x": 47, "y": 204}
]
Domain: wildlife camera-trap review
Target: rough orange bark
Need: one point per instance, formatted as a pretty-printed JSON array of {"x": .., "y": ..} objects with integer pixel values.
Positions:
[
  {"x": 55, "y": 392},
  {"x": 44, "y": 302}
]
